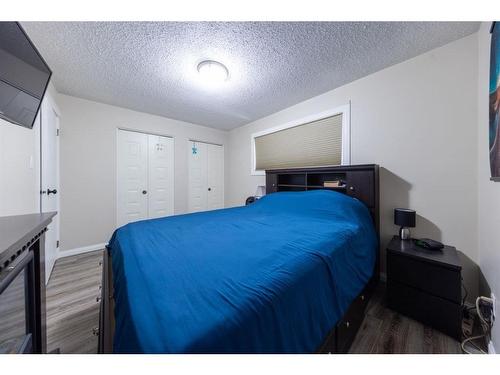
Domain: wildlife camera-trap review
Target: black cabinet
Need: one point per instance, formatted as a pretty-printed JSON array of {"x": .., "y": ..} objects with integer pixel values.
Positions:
[
  {"x": 22, "y": 283},
  {"x": 425, "y": 285}
]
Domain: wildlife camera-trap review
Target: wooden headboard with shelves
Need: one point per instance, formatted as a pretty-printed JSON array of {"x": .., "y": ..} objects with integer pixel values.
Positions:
[{"x": 358, "y": 181}]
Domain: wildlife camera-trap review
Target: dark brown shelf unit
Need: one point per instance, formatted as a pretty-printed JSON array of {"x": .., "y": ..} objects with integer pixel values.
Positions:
[
  {"x": 342, "y": 187},
  {"x": 306, "y": 180},
  {"x": 292, "y": 179},
  {"x": 291, "y": 185}
]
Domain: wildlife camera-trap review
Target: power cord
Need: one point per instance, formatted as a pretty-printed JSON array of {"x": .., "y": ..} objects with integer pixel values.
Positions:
[{"x": 486, "y": 325}]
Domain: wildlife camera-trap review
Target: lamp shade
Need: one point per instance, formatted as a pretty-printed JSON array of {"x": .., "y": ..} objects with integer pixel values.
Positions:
[
  {"x": 261, "y": 191},
  {"x": 404, "y": 217}
]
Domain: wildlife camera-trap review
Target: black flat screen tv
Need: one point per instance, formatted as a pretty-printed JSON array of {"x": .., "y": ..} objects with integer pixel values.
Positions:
[{"x": 24, "y": 76}]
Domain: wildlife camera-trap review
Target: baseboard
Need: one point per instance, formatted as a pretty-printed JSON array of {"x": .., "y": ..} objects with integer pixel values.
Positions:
[{"x": 80, "y": 250}]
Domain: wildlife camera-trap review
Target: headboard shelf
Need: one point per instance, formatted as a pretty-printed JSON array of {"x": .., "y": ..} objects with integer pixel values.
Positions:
[
  {"x": 342, "y": 187},
  {"x": 358, "y": 181}
]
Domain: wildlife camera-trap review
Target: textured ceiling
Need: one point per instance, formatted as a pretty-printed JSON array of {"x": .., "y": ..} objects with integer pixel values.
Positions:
[{"x": 151, "y": 67}]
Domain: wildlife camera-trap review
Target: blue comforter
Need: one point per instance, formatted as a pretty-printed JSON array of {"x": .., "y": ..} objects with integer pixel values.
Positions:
[{"x": 271, "y": 277}]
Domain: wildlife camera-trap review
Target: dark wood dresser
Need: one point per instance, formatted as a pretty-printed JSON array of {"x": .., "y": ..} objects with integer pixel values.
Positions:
[
  {"x": 22, "y": 283},
  {"x": 425, "y": 285}
]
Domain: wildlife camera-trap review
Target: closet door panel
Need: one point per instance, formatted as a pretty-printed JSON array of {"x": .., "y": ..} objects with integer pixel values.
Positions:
[
  {"x": 161, "y": 176},
  {"x": 215, "y": 167},
  {"x": 132, "y": 181},
  {"x": 198, "y": 177}
]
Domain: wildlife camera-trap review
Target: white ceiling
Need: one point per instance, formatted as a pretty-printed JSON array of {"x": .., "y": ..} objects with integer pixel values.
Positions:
[{"x": 151, "y": 67}]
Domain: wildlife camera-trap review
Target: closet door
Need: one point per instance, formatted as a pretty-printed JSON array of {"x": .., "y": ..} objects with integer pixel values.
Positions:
[
  {"x": 215, "y": 171},
  {"x": 161, "y": 176},
  {"x": 198, "y": 177},
  {"x": 206, "y": 177},
  {"x": 132, "y": 177}
]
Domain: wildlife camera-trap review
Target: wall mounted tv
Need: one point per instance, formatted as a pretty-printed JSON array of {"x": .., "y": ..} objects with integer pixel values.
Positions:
[{"x": 24, "y": 76}]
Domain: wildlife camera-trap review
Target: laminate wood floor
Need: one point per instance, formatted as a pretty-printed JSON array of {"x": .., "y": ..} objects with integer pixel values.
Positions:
[
  {"x": 384, "y": 331},
  {"x": 72, "y": 309},
  {"x": 72, "y": 313}
]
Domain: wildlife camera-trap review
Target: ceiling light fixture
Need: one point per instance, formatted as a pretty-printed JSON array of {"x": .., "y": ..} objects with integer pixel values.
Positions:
[{"x": 213, "y": 72}]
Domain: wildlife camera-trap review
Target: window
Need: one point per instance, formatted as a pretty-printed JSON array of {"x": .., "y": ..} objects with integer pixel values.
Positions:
[{"x": 315, "y": 141}]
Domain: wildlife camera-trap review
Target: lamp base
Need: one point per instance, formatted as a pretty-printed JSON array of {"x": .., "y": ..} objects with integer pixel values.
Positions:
[{"x": 404, "y": 233}]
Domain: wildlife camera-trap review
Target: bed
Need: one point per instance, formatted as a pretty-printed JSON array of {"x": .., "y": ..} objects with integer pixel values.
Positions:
[{"x": 277, "y": 276}]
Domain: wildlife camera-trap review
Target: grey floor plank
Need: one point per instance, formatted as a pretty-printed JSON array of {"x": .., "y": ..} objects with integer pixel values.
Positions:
[
  {"x": 72, "y": 309},
  {"x": 384, "y": 331},
  {"x": 367, "y": 338}
]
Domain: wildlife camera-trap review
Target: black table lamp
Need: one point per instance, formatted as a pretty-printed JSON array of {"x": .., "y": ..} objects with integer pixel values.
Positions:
[{"x": 405, "y": 218}]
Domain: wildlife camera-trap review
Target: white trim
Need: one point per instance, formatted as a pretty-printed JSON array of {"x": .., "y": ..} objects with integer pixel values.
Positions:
[
  {"x": 80, "y": 250},
  {"x": 144, "y": 132},
  {"x": 49, "y": 104},
  {"x": 345, "y": 110},
  {"x": 51, "y": 101}
]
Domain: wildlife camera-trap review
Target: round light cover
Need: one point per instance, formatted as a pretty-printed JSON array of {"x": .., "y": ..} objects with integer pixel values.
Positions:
[{"x": 213, "y": 72}]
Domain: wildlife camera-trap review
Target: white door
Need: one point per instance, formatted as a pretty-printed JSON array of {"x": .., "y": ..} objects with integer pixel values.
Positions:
[
  {"x": 132, "y": 177},
  {"x": 145, "y": 176},
  {"x": 49, "y": 178},
  {"x": 215, "y": 156},
  {"x": 161, "y": 176},
  {"x": 206, "y": 176},
  {"x": 198, "y": 174}
]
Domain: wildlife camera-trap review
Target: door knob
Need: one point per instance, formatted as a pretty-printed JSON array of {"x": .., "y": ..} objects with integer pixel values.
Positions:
[
  {"x": 53, "y": 191},
  {"x": 144, "y": 192}
]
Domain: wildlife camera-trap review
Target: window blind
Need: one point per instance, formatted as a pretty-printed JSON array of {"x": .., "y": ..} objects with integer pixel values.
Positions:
[{"x": 314, "y": 144}]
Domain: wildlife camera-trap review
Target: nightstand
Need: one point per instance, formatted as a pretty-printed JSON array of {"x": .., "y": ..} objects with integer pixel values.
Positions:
[{"x": 425, "y": 285}]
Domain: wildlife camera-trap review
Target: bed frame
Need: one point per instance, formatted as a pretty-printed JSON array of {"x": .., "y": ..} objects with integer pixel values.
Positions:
[{"x": 357, "y": 181}]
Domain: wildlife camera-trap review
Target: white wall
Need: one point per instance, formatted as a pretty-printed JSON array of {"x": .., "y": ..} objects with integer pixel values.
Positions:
[
  {"x": 19, "y": 169},
  {"x": 417, "y": 120},
  {"x": 88, "y": 159},
  {"x": 20, "y": 166},
  {"x": 489, "y": 192}
]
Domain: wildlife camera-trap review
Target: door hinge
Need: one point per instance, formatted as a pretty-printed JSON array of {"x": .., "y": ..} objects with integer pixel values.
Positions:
[
  {"x": 57, "y": 132},
  {"x": 57, "y": 244}
]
